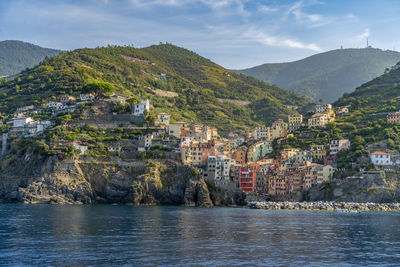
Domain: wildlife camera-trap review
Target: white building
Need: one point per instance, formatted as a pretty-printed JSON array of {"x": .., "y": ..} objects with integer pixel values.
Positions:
[
  {"x": 141, "y": 107},
  {"x": 322, "y": 107},
  {"x": 42, "y": 125},
  {"x": 164, "y": 118},
  {"x": 25, "y": 108},
  {"x": 81, "y": 146},
  {"x": 336, "y": 145},
  {"x": 55, "y": 105},
  {"x": 218, "y": 169},
  {"x": 21, "y": 121},
  {"x": 86, "y": 97},
  {"x": 343, "y": 110},
  {"x": 380, "y": 158}
]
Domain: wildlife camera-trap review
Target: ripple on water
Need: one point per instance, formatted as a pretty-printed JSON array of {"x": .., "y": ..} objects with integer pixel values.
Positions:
[{"x": 147, "y": 236}]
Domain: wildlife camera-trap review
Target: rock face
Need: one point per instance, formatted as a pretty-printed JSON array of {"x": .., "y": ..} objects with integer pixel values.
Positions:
[
  {"x": 376, "y": 187},
  {"x": 88, "y": 180}
]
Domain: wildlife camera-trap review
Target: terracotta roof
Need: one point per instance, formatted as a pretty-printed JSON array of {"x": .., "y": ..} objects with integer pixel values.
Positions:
[{"x": 379, "y": 153}]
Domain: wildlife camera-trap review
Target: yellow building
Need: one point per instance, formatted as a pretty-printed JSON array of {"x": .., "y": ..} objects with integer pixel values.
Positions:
[
  {"x": 318, "y": 120},
  {"x": 295, "y": 121},
  {"x": 174, "y": 129},
  {"x": 325, "y": 173},
  {"x": 262, "y": 133},
  {"x": 319, "y": 152},
  {"x": 289, "y": 153}
]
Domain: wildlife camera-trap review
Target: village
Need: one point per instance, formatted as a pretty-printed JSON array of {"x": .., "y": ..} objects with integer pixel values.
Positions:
[{"x": 236, "y": 160}]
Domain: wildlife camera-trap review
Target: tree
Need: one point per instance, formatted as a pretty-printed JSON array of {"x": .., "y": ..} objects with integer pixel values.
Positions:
[
  {"x": 99, "y": 88},
  {"x": 132, "y": 101},
  {"x": 357, "y": 143}
]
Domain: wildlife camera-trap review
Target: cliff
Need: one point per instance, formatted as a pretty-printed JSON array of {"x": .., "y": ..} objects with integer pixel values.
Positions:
[
  {"x": 33, "y": 178},
  {"x": 376, "y": 186}
]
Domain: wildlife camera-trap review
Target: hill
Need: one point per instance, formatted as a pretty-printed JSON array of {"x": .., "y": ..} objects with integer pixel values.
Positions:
[
  {"x": 15, "y": 56},
  {"x": 176, "y": 80},
  {"x": 327, "y": 75},
  {"x": 378, "y": 96}
]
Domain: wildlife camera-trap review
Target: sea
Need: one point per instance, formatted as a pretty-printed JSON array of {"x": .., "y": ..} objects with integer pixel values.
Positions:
[{"x": 122, "y": 235}]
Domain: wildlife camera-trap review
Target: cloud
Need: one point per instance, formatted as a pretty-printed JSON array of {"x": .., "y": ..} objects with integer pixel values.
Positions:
[
  {"x": 146, "y": 3},
  {"x": 271, "y": 40},
  {"x": 216, "y": 3},
  {"x": 351, "y": 16},
  {"x": 267, "y": 9},
  {"x": 313, "y": 20},
  {"x": 364, "y": 35}
]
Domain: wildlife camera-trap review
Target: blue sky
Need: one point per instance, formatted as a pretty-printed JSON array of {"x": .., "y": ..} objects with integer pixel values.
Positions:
[{"x": 233, "y": 33}]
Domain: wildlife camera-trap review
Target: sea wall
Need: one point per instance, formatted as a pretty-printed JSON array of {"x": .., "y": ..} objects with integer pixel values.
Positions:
[{"x": 325, "y": 205}]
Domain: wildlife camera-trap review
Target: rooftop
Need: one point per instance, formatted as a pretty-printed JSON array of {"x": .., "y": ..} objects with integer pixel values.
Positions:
[{"x": 379, "y": 153}]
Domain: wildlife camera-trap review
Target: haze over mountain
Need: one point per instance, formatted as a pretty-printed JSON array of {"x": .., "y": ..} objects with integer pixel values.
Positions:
[
  {"x": 327, "y": 75},
  {"x": 176, "y": 80},
  {"x": 15, "y": 56}
]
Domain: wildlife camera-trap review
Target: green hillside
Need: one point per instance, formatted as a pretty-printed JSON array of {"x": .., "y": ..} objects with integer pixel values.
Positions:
[
  {"x": 176, "y": 80},
  {"x": 369, "y": 105},
  {"x": 15, "y": 56},
  {"x": 327, "y": 75}
]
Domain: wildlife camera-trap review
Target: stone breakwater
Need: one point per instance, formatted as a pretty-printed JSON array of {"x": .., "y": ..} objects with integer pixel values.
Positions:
[{"x": 322, "y": 205}]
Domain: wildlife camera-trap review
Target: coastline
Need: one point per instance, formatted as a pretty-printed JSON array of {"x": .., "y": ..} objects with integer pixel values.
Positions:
[{"x": 325, "y": 205}]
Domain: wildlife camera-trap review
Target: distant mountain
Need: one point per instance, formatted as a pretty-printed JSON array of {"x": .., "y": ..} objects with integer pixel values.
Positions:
[
  {"x": 327, "y": 75},
  {"x": 15, "y": 56},
  {"x": 377, "y": 96},
  {"x": 176, "y": 80}
]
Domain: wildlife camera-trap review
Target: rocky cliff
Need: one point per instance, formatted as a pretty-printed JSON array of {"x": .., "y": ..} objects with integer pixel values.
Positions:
[
  {"x": 33, "y": 178},
  {"x": 376, "y": 186}
]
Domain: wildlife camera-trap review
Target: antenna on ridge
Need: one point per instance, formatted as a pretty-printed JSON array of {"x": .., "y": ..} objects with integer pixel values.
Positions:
[{"x": 367, "y": 41}]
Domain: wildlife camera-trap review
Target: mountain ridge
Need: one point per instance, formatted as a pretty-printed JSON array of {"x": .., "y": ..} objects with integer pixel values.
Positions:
[
  {"x": 194, "y": 84},
  {"x": 15, "y": 56},
  {"x": 327, "y": 75}
]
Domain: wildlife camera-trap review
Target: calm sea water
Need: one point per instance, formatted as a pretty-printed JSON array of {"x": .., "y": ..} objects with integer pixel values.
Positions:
[{"x": 100, "y": 235}]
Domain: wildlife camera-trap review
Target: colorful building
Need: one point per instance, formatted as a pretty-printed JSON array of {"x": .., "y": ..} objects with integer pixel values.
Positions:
[
  {"x": 393, "y": 117},
  {"x": 294, "y": 122},
  {"x": 336, "y": 145},
  {"x": 247, "y": 178},
  {"x": 198, "y": 152},
  {"x": 318, "y": 151}
]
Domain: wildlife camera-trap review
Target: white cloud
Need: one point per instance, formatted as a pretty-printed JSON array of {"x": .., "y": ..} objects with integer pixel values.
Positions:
[
  {"x": 216, "y": 3},
  {"x": 313, "y": 20},
  {"x": 267, "y": 9},
  {"x": 145, "y": 3},
  {"x": 351, "y": 16},
  {"x": 364, "y": 35},
  {"x": 271, "y": 40}
]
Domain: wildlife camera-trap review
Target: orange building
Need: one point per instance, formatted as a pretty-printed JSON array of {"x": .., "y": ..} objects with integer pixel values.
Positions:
[
  {"x": 240, "y": 156},
  {"x": 197, "y": 153}
]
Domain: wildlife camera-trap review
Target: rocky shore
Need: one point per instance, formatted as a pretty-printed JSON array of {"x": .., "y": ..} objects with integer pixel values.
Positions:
[{"x": 322, "y": 205}]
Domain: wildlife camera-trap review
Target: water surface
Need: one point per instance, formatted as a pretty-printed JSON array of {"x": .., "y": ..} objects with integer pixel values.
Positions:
[{"x": 101, "y": 235}]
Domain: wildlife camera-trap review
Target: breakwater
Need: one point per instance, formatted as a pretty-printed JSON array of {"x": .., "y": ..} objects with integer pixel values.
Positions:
[{"x": 323, "y": 205}]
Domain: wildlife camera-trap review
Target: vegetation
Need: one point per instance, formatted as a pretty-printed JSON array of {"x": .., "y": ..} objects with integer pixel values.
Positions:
[
  {"x": 15, "y": 56},
  {"x": 327, "y": 75},
  {"x": 99, "y": 88},
  {"x": 196, "y": 84}
]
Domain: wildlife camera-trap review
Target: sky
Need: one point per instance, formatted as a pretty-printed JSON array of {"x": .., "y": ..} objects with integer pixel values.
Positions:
[{"x": 233, "y": 33}]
